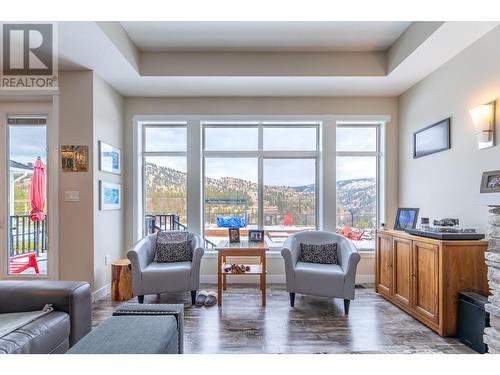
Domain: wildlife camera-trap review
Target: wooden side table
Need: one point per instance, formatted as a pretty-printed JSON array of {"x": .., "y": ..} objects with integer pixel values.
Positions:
[
  {"x": 121, "y": 280},
  {"x": 243, "y": 249}
]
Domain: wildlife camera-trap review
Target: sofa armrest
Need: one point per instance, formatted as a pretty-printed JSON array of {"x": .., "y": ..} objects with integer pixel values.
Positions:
[
  {"x": 291, "y": 254},
  {"x": 71, "y": 297}
]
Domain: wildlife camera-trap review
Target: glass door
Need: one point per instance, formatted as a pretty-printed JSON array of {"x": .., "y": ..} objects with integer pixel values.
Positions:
[{"x": 26, "y": 222}]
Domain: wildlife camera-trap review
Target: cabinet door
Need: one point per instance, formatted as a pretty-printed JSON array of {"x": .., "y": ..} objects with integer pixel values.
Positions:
[
  {"x": 402, "y": 270},
  {"x": 384, "y": 264},
  {"x": 425, "y": 274}
]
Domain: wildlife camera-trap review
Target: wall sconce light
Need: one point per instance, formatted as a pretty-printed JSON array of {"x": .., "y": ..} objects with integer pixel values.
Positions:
[{"x": 483, "y": 117}]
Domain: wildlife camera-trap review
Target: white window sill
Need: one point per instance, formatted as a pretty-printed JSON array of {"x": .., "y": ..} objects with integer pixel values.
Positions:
[{"x": 275, "y": 252}]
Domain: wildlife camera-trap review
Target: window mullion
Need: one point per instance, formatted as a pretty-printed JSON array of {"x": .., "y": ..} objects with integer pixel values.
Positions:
[{"x": 261, "y": 192}]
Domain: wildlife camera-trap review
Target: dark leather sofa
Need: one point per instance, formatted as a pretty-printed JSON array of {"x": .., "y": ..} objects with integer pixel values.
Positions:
[{"x": 55, "y": 332}]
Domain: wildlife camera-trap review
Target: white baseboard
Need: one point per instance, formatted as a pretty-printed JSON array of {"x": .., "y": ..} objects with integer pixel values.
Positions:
[
  {"x": 272, "y": 279},
  {"x": 101, "y": 293},
  {"x": 365, "y": 279}
]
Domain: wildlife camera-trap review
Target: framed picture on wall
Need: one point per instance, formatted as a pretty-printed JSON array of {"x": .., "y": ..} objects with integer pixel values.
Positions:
[
  {"x": 75, "y": 158},
  {"x": 110, "y": 196},
  {"x": 109, "y": 158},
  {"x": 432, "y": 139}
]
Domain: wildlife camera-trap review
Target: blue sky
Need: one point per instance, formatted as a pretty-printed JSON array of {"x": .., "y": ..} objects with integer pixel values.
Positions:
[
  {"x": 27, "y": 142},
  {"x": 276, "y": 172}
]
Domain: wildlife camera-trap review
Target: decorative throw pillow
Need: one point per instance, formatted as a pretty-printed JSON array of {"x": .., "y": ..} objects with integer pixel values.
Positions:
[
  {"x": 325, "y": 254},
  {"x": 172, "y": 247}
]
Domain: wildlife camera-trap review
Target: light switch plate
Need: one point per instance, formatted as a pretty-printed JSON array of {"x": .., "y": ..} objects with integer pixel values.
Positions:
[{"x": 72, "y": 196}]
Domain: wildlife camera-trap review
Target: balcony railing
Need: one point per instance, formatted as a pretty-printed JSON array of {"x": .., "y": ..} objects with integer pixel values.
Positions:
[
  {"x": 167, "y": 222},
  {"x": 163, "y": 222},
  {"x": 26, "y": 236}
]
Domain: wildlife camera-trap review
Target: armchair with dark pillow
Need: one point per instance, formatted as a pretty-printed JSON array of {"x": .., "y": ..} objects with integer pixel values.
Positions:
[
  {"x": 321, "y": 279},
  {"x": 150, "y": 277}
]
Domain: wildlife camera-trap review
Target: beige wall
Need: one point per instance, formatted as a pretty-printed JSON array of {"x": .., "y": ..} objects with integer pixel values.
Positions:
[
  {"x": 89, "y": 110},
  {"x": 108, "y": 225},
  {"x": 267, "y": 106},
  {"x": 447, "y": 184},
  {"x": 76, "y": 218}
]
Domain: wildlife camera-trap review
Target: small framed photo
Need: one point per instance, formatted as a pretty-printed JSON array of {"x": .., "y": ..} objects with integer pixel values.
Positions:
[
  {"x": 255, "y": 235},
  {"x": 490, "y": 182},
  {"x": 75, "y": 158},
  {"x": 109, "y": 158},
  {"x": 406, "y": 218},
  {"x": 234, "y": 235},
  {"x": 110, "y": 196}
]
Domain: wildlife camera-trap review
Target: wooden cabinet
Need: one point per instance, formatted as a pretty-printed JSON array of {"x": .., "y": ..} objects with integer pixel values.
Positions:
[
  {"x": 423, "y": 276},
  {"x": 402, "y": 255},
  {"x": 384, "y": 265}
]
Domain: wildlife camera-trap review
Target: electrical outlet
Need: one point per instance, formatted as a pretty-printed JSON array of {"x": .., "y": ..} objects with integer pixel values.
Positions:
[{"x": 107, "y": 259}]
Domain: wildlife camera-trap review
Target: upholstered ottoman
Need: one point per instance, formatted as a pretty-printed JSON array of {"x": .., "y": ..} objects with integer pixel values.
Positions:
[
  {"x": 131, "y": 335},
  {"x": 140, "y": 309}
]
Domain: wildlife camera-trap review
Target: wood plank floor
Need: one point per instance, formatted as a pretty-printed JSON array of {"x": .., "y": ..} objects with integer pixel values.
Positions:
[{"x": 315, "y": 325}]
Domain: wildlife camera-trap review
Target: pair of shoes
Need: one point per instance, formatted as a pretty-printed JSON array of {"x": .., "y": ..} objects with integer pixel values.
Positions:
[{"x": 206, "y": 298}]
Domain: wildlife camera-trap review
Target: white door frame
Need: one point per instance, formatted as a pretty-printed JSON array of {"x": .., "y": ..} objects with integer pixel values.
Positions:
[{"x": 49, "y": 109}]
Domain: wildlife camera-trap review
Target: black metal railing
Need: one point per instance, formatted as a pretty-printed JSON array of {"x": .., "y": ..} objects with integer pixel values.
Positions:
[
  {"x": 158, "y": 222},
  {"x": 27, "y": 236},
  {"x": 163, "y": 222}
]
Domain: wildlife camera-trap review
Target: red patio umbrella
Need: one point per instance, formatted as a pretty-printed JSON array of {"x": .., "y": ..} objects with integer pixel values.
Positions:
[{"x": 37, "y": 191}]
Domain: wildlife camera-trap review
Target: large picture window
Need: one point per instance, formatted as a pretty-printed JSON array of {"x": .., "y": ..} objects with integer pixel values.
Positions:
[
  {"x": 357, "y": 183},
  {"x": 164, "y": 176},
  {"x": 262, "y": 173}
]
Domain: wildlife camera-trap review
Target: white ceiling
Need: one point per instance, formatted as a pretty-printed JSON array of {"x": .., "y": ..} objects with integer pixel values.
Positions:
[
  {"x": 264, "y": 36},
  {"x": 113, "y": 56}
]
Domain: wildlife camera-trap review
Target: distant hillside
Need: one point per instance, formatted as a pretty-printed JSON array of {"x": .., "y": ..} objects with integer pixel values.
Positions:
[
  {"x": 357, "y": 193},
  {"x": 353, "y": 194}
]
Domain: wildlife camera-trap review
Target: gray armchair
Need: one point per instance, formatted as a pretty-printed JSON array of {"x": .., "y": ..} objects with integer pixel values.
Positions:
[
  {"x": 149, "y": 277},
  {"x": 326, "y": 280}
]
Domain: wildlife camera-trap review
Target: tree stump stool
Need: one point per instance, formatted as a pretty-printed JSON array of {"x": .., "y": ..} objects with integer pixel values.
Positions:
[{"x": 121, "y": 280}]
